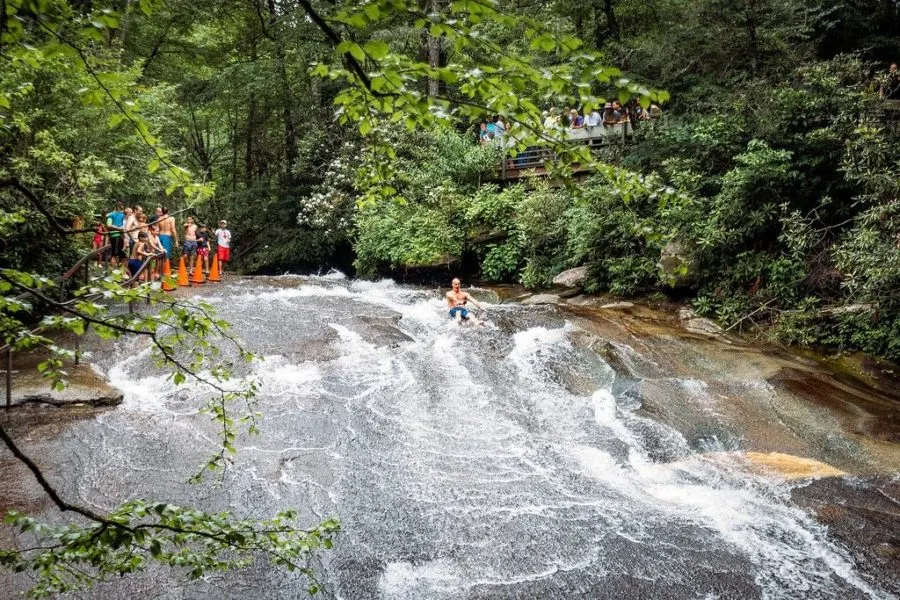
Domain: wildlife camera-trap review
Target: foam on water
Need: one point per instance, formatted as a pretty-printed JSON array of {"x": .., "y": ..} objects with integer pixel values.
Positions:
[{"x": 140, "y": 393}]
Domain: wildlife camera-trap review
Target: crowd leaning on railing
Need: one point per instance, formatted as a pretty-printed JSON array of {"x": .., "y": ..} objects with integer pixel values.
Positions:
[
  {"x": 611, "y": 120},
  {"x": 133, "y": 238}
]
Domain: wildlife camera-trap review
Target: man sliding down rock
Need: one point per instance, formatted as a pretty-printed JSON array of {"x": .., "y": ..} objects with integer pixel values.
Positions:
[{"x": 456, "y": 300}]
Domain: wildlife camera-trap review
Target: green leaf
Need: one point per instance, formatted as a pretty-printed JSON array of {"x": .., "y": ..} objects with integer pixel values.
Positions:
[{"x": 377, "y": 49}]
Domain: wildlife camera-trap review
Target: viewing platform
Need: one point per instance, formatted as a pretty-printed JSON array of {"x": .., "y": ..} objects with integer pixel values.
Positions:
[{"x": 531, "y": 162}]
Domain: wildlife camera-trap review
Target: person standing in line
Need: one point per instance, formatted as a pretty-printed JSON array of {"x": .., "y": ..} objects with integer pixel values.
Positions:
[
  {"x": 159, "y": 251},
  {"x": 131, "y": 230},
  {"x": 115, "y": 224},
  {"x": 142, "y": 252},
  {"x": 223, "y": 245},
  {"x": 168, "y": 233},
  {"x": 99, "y": 240},
  {"x": 576, "y": 120},
  {"x": 190, "y": 242},
  {"x": 156, "y": 216},
  {"x": 203, "y": 247}
]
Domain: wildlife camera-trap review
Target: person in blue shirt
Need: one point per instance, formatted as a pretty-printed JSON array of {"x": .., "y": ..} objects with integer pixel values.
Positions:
[
  {"x": 499, "y": 126},
  {"x": 115, "y": 224}
]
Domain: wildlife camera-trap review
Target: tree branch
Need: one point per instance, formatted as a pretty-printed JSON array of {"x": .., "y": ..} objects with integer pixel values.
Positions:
[{"x": 14, "y": 183}]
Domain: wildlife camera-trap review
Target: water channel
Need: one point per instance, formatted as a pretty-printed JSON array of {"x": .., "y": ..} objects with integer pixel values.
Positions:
[{"x": 556, "y": 453}]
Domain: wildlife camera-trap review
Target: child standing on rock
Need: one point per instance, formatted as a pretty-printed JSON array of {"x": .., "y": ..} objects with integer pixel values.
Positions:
[{"x": 203, "y": 247}]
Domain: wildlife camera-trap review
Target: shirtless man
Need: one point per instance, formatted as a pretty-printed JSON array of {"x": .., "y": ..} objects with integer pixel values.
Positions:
[
  {"x": 456, "y": 300},
  {"x": 168, "y": 235},
  {"x": 190, "y": 242}
]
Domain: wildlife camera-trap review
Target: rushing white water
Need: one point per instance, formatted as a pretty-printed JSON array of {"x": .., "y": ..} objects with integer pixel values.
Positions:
[{"x": 463, "y": 463}]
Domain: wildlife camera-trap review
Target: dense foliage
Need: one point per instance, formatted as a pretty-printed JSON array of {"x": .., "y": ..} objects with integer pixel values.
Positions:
[{"x": 768, "y": 193}]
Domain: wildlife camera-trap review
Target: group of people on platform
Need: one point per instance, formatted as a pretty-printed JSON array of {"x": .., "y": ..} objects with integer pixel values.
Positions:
[
  {"x": 611, "y": 115},
  {"x": 132, "y": 238}
]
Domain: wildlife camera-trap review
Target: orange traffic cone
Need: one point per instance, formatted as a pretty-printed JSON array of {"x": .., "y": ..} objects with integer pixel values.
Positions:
[
  {"x": 182, "y": 274},
  {"x": 197, "y": 279},
  {"x": 214, "y": 271},
  {"x": 167, "y": 284}
]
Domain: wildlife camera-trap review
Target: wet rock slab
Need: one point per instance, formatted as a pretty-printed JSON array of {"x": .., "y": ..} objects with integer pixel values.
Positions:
[
  {"x": 864, "y": 514},
  {"x": 541, "y": 299},
  {"x": 380, "y": 331},
  {"x": 85, "y": 385}
]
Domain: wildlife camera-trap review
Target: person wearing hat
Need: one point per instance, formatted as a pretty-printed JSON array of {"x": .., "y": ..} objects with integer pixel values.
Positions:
[{"x": 223, "y": 245}]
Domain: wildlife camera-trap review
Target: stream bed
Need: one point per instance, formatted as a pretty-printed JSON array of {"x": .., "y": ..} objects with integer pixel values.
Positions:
[{"x": 559, "y": 452}]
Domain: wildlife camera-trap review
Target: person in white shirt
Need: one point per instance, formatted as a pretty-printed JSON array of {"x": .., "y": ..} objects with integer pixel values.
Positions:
[
  {"x": 223, "y": 245},
  {"x": 593, "y": 119}
]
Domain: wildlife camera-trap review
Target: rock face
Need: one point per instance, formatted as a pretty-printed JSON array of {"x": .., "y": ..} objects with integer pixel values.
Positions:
[
  {"x": 86, "y": 386},
  {"x": 541, "y": 299},
  {"x": 572, "y": 278},
  {"x": 862, "y": 514}
]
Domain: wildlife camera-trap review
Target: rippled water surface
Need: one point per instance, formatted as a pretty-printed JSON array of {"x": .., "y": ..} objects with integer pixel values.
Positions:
[{"x": 503, "y": 462}]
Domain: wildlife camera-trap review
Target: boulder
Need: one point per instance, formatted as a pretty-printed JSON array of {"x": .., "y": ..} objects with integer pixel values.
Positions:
[
  {"x": 701, "y": 325},
  {"x": 676, "y": 265},
  {"x": 695, "y": 324},
  {"x": 617, "y": 305},
  {"x": 572, "y": 278},
  {"x": 380, "y": 331},
  {"x": 685, "y": 313},
  {"x": 541, "y": 299}
]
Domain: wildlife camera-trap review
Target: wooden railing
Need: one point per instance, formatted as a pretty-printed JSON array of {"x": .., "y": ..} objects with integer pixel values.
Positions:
[{"x": 531, "y": 161}]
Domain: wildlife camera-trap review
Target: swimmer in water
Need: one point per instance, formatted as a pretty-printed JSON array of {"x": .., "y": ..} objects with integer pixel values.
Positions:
[{"x": 456, "y": 300}]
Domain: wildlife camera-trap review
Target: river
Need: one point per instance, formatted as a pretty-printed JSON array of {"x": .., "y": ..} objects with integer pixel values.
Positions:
[{"x": 554, "y": 453}]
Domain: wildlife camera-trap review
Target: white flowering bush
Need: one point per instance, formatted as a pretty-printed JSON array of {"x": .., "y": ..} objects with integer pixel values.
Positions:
[{"x": 329, "y": 209}]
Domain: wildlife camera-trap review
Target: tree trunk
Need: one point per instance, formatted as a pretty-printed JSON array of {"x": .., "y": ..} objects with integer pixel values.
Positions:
[
  {"x": 252, "y": 110},
  {"x": 434, "y": 49},
  {"x": 612, "y": 24},
  {"x": 287, "y": 110},
  {"x": 751, "y": 32}
]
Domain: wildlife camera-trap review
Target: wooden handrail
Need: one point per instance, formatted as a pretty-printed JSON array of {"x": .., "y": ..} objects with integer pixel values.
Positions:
[{"x": 71, "y": 272}]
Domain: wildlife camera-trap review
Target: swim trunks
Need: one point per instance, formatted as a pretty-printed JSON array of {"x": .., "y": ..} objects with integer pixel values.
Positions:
[
  {"x": 461, "y": 310},
  {"x": 134, "y": 266},
  {"x": 166, "y": 241},
  {"x": 117, "y": 249},
  {"x": 190, "y": 247}
]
